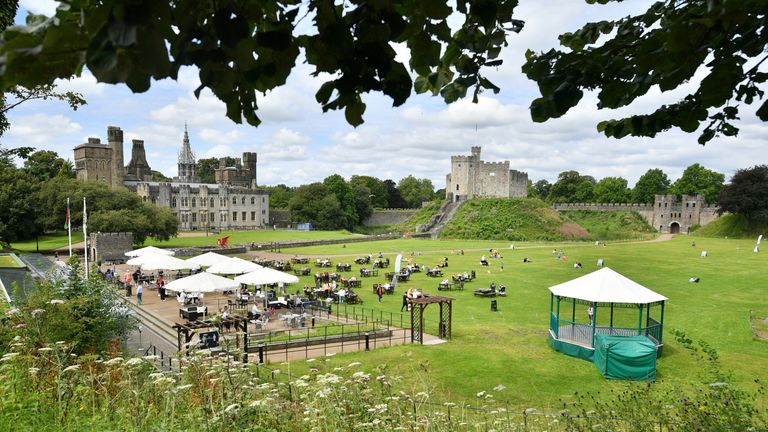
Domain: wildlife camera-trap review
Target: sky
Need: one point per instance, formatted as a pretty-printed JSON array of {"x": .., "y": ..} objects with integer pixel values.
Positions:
[{"x": 297, "y": 143}]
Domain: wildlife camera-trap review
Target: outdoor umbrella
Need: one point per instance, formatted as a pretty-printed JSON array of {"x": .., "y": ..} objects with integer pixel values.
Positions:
[
  {"x": 202, "y": 282},
  {"x": 233, "y": 266},
  {"x": 148, "y": 250},
  {"x": 266, "y": 276},
  {"x": 161, "y": 262},
  {"x": 208, "y": 259}
]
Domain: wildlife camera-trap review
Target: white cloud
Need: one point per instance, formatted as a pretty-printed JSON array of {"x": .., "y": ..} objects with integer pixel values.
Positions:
[
  {"x": 218, "y": 137},
  {"x": 41, "y": 129},
  {"x": 218, "y": 151},
  {"x": 85, "y": 84},
  {"x": 44, "y": 7}
]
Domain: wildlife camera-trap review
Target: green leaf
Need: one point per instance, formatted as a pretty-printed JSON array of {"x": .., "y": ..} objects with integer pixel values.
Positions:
[{"x": 354, "y": 112}]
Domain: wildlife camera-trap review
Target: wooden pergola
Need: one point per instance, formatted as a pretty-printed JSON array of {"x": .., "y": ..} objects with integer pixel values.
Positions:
[
  {"x": 418, "y": 305},
  {"x": 186, "y": 331}
]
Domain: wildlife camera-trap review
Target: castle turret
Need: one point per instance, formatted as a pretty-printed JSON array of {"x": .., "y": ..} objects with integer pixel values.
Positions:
[
  {"x": 138, "y": 166},
  {"x": 187, "y": 163},
  {"x": 115, "y": 139},
  {"x": 249, "y": 163}
]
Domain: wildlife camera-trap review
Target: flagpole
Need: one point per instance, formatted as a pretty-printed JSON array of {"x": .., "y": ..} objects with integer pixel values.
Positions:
[
  {"x": 85, "y": 236},
  {"x": 69, "y": 229}
]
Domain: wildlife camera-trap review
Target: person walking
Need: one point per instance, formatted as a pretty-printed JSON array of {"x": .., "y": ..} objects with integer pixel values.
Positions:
[
  {"x": 139, "y": 291},
  {"x": 379, "y": 292}
]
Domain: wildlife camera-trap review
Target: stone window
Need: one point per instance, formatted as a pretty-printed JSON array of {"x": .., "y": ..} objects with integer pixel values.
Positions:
[
  {"x": 253, "y": 216},
  {"x": 202, "y": 217},
  {"x": 234, "y": 216},
  {"x": 687, "y": 204},
  {"x": 242, "y": 201},
  {"x": 253, "y": 200},
  {"x": 234, "y": 200},
  {"x": 194, "y": 204},
  {"x": 212, "y": 202},
  {"x": 665, "y": 205},
  {"x": 457, "y": 187},
  {"x": 194, "y": 215},
  {"x": 262, "y": 199},
  {"x": 263, "y": 211},
  {"x": 213, "y": 217},
  {"x": 694, "y": 205},
  {"x": 243, "y": 216},
  {"x": 173, "y": 202}
]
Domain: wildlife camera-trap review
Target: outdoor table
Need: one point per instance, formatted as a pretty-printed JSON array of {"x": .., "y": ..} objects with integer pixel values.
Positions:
[
  {"x": 193, "y": 312},
  {"x": 403, "y": 277},
  {"x": 354, "y": 284},
  {"x": 445, "y": 286}
]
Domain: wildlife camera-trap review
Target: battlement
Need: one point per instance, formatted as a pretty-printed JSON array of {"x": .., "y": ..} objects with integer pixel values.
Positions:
[{"x": 601, "y": 206}]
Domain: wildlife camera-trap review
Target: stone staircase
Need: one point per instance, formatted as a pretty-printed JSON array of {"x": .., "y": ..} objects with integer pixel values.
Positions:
[{"x": 440, "y": 219}]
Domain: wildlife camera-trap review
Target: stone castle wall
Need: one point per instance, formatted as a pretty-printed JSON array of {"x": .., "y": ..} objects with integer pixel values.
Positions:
[
  {"x": 667, "y": 214},
  {"x": 470, "y": 177},
  {"x": 388, "y": 217},
  {"x": 110, "y": 246}
]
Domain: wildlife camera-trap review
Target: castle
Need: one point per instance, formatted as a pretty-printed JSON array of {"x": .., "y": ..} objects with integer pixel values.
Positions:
[
  {"x": 667, "y": 214},
  {"x": 232, "y": 203},
  {"x": 471, "y": 177}
]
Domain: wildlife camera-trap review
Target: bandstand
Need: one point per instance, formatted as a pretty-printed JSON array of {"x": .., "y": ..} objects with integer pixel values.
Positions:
[{"x": 620, "y": 307}]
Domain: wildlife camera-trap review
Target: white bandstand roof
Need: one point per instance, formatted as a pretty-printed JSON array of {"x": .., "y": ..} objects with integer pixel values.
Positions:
[
  {"x": 208, "y": 259},
  {"x": 266, "y": 276},
  {"x": 606, "y": 286},
  {"x": 233, "y": 265},
  {"x": 148, "y": 250},
  {"x": 202, "y": 282},
  {"x": 161, "y": 262}
]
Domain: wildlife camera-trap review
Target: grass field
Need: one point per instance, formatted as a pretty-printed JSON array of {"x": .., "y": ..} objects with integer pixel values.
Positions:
[
  {"x": 47, "y": 242},
  {"x": 59, "y": 240},
  {"x": 509, "y": 347}
]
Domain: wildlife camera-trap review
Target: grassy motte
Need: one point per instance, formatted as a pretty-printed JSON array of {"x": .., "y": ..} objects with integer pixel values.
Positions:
[
  {"x": 528, "y": 219},
  {"x": 733, "y": 226}
]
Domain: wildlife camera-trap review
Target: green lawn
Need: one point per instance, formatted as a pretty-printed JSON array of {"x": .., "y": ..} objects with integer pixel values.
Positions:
[
  {"x": 59, "y": 240},
  {"x": 509, "y": 347},
  {"x": 247, "y": 237},
  {"x": 47, "y": 242}
]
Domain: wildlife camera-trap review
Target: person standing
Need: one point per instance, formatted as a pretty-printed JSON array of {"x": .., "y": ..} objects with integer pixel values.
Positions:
[
  {"x": 379, "y": 292},
  {"x": 591, "y": 313},
  {"x": 139, "y": 291}
]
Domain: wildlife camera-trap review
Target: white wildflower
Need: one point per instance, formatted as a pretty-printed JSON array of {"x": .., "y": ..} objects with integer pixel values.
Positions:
[
  {"x": 114, "y": 361},
  {"x": 311, "y": 360},
  {"x": 9, "y": 356},
  {"x": 132, "y": 362},
  {"x": 12, "y": 311},
  {"x": 56, "y": 301},
  {"x": 499, "y": 387},
  {"x": 44, "y": 349},
  {"x": 231, "y": 408},
  {"x": 480, "y": 394},
  {"x": 37, "y": 312},
  {"x": 183, "y": 387},
  {"x": 353, "y": 364},
  {"x": 72, "y": 368},
  {"x": 34, "y": 370}
]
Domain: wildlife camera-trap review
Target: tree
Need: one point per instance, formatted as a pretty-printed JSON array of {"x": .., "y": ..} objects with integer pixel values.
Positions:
[
  {"x": 699, "y": 180},
  {"x": 380, "y": 198},
  {"x": 363, "y": 202},
  {"x": 19, "y": 218},
  {"x": 157, "y": 176},
  {"x": 541, "y": 188},
  {"x": 46, "y": 164},
  {"x": 653, "y": 182},
  {"x": 21, "y": 94},
  {"x": 336, "y": 185},
  {"x": 242, "y": 48},
  {"x": 415, "y": 191},
  {"x": 206, "y": 168},
  {"x": 394, "y": 198},
  {"x": 279, "y": 196},
  {"x": 305, "y": 203},
  {"x": 611, "y": 190},
  {"x": 747, "y": 193},
  {"x": 663, "y": 47},
  {"x": 572, "y": 187}
]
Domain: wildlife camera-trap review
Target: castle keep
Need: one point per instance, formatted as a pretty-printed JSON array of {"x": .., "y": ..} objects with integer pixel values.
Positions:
[
  {"x": 233, "y": 202},
  {"x": 471, "y": 177}
]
